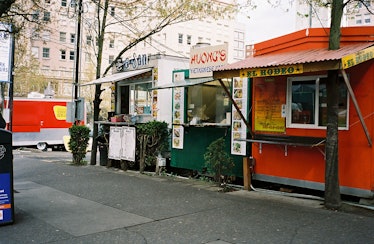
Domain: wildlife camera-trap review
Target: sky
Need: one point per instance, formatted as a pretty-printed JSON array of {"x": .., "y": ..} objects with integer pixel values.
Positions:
[{"x": 267, "y": 22}]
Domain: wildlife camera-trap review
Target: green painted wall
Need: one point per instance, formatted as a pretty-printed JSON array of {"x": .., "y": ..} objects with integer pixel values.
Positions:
[{"x": 196, "y": 140}]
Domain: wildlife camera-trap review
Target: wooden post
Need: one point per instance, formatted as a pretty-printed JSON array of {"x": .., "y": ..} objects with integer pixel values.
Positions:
[{"x": 247, "y": 173}]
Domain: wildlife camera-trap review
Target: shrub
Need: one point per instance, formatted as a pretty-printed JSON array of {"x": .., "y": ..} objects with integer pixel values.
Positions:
[
  {"x": 153, "y": 138},
  {"x": 79, "y": 136},
  {"x": 218, "y": 161}
]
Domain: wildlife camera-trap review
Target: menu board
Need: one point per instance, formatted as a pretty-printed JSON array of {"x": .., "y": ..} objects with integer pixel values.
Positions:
[
  {"x": 122, "y": 143},
  {"x": 154, "y": 104},
  {"x": 178, "y": 117},
  {"x": 115, "y": 143},
  {"x": 128, "y": 143},
  {"x": 269, "y": 99},
  {"x": 239, "y": 128}
]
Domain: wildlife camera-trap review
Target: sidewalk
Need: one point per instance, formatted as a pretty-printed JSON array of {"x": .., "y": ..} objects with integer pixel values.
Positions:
[
  {"x": 56, "y": 202},
  {"x": 257, "y": 193}
]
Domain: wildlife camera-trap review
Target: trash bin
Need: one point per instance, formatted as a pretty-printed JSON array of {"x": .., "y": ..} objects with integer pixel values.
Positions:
[
  {"x": 103, "y": 148},
  {"x": 6, "y": 178}
]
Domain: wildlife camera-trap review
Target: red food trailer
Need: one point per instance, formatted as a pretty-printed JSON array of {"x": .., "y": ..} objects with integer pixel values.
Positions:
[
  {"x": 39, "y": 122},
  {"x": 287, "y": 80}
]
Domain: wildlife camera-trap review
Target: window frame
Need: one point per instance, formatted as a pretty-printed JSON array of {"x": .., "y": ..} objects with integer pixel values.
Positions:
[
  {"x": 111, "y": 43},
  {"x": 314, "y": 125},
  {"x": 46, "y": 53},
  {"x": 63, "y": 36},
  {"x": 46, "y": 16},
  {"x": 71, "y": 55},
  {"x": 63, "y": 54},
  {"x": 189, "y": 38},
  {"x": 72, "y": 38}
]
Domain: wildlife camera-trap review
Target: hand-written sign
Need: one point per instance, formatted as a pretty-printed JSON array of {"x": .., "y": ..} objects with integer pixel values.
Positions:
[{"x": 268, "y": 99}]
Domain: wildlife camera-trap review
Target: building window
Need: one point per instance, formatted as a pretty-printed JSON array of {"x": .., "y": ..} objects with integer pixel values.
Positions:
[
  {"x": 63, "y": 54},
  {"x": 46, "y": 36},
  {"x": 88, "y": 40},
  {"x": 367, "y": 18},
  {"x": 112, "y": 11},
  {"x": 35, "y": 35},
  {"x": 47, "y": 1},
  {"x": 111, "y": 59},
  {"x": 63, "y": 3},
  {"x": 35, "y": 15},
  {"x": 35, "y": 52},
  {"x": 62, "y": 36},
  {"x": 47, "y": 16},
  {"x": 72, "y": 38},
  {"x": 180, "y": 38},
  {"x": 358, "y": 19},
  {"x": 239, "y": 44},
  {"x": 71, "y": 56},
  {"x": 307, "y": 102},
  {"x": 111, "y": 43},
  {"x": 188, "y": 39},
  {"x": 45, "y": 52}
]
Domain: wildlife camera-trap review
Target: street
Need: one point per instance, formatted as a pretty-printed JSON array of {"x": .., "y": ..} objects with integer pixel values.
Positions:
[{"x": 56, "y": 202}]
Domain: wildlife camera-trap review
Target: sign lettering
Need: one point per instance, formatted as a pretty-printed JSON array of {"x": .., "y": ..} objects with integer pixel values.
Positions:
[
  {"x": 137, "y": 61},
  {"x": 204, "y": 60},
  {"x": 273, "y": 71},
  {"x": 358, "y": 57}
]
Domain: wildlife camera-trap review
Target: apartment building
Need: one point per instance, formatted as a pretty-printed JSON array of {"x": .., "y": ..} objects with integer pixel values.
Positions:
[
  {"x": 356, "y": 13},
  {"x": 359, "y": 15},
  {"x": 55, "y": 46}
]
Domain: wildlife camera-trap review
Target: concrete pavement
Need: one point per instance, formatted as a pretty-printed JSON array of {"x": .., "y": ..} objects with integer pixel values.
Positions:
[{"x": 56, "y": 202}]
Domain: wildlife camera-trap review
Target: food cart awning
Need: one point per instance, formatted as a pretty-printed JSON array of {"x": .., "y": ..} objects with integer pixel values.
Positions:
[
  {"x": 302, "y": 57},
  {"x": 117, "y": 77},
  {"x": 185, "y": 82}
]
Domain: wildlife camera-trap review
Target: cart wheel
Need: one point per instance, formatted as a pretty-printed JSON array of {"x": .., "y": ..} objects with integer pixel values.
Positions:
[{"x": 42, "y": 146}]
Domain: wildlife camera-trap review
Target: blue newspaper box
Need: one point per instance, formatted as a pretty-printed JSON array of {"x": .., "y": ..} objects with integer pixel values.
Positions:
[{"x": 6, "y": 178}]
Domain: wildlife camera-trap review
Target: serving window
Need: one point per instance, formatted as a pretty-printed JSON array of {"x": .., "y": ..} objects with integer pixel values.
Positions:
[
  {"x": 135, "y": 99},
  {"x": 307, "y": 102},
  {"x": 208, "y": 103}
]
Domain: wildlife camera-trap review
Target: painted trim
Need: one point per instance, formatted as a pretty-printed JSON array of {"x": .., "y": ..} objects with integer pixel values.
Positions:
[{"x": 313, "y": 185}]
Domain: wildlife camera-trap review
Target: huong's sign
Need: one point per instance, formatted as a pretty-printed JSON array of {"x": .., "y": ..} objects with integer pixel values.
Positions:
[
  {"x": 204, "y": 60},
  {"x": 357, "y": 58},
  {"x": 136, "y": 62},
  {"x": 273, "y": 71}
]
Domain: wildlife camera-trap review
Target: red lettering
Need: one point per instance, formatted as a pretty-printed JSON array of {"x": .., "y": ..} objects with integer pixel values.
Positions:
[{"x": 206, "y": 57}]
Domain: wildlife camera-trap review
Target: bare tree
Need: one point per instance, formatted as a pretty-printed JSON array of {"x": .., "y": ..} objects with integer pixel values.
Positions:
[{"x": 142, "y": 19}]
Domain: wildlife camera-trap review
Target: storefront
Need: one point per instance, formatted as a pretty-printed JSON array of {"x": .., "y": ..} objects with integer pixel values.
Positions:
[
  {"x": 287, "y": 79},
  {"x": 202, "y": 110},
  {"x": 134, "y": 101},
  {"x": 201, "y": 115}
]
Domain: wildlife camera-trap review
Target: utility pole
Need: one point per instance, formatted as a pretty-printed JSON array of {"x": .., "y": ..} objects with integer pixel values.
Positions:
[{"x": 77, "y": 61}]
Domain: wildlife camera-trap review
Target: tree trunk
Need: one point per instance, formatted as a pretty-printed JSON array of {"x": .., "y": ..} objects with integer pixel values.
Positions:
[
  {"x": 98, "y": 91},
  {"x": 95, "y": 133},
  {"x": 332, "y": 188}
]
